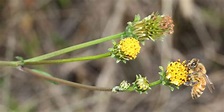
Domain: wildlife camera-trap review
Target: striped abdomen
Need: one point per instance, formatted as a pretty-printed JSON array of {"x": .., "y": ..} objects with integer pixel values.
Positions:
[{"x": 198, "y": 87}]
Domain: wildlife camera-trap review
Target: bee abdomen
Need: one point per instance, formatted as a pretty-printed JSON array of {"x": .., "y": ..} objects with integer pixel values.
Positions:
[{"x": 197, "y": 91}]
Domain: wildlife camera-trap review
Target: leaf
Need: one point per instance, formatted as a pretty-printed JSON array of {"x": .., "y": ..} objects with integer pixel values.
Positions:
[
  {"x": 110, "y": 49},
  {"x": 124, "y": 61},
  {"x": 20, "y": 59},
  {"x": 171, "y": 88},
  {"x": 113, "y": 56},
  {"x": 143, "y": 43},
  {"x": 45, "y": 74},
  {"x": 117, "y": 61},
  {"x": 177, "y": 87},
  {"x": 137, "y": 18},
  {"x": 163, "y": 83},
  {"x": 161, "y": 68},
  {"x": 114, "y": 42}
]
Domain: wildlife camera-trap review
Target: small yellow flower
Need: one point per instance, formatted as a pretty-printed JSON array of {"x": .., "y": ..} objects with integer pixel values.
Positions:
[
  {"x": 130, "y": 47},
  {"x": 177, "y": 72},
  {"x": 127, "y": 49}
]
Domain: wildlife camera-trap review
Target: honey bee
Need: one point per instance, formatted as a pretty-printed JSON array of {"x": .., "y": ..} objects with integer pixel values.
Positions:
[{"x": 197, "y": 78}]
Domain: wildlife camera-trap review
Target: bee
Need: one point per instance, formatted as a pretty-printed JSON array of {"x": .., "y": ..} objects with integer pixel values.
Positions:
[{"x": 197, "y": 78}]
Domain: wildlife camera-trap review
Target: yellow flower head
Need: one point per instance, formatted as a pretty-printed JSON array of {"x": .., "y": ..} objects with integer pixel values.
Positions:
[
  {"x": 127, "y": 49},
  {"x": 130, "y": 47},
  {"x": 177, "y": 72}
]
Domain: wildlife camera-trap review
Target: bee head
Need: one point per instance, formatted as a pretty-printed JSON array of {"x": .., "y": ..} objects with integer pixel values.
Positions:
[{"x": 193, "y": 63}]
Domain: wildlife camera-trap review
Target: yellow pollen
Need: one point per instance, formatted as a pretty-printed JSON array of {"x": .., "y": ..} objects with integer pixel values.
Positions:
[
  {"x": 130, "y": 47},
  {"x": 177, "y": 72}
]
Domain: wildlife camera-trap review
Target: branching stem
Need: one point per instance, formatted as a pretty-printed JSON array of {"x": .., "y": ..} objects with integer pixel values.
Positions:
[{"x": 68, "y": 83}]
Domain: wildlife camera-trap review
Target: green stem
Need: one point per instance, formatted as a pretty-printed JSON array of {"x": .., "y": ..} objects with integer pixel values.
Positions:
[
  {"x": 158, "y": 82},
  {"x": 27, "y": 62},
  {"x": 130, "y": 89},
  {"x": 75, "y": 47},
  {"x": 155, "y": 83},
  {"x": 9, "y": 63},
  {"x": 69, "y": 83}
]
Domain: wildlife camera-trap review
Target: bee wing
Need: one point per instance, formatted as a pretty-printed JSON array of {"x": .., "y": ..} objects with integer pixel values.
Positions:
[{"x": 210, "y": 84}]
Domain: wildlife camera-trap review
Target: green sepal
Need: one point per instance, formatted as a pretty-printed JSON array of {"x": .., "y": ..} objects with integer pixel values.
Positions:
[
  {"x": 171, "y": 88},
  {"x": 139, "y": 81},
  {"x": 21, "y": 60},
  {"x": 165, "y": 81},
  {"x": 137, "y": 18},
  {"x": 117, "y": 53},
  {"x": 114, "y": 42},
  {"x": 124, "y": 61},
  {"x": 162, "y": 74},
  {"x": 117, "y": 61},
  {"x": 143, "y": 43}
]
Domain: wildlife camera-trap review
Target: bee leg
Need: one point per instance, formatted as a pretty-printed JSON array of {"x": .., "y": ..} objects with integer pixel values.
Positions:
[
  {"x": 190, "y": 83},
  {"x": 187, "y": 84},
  {"x": 194, "y": 73}
]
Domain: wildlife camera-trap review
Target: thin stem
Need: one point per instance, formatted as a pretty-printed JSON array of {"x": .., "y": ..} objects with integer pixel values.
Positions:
[
  {"x": 155, "y": 83},
  {"x": 27, "y": 62},
  {"x": 130, "y": 89},
  {"x": 69, "y": 83},
  {"x": 75, "y": 47},
  {"x": 9, "y": 63}
]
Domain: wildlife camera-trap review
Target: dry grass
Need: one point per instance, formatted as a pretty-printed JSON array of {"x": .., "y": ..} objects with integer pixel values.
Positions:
[{"x": 33, "y": 27}]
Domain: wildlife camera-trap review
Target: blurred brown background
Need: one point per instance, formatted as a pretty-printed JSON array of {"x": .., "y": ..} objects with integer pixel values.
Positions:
[{"x": 30, "y": 28}]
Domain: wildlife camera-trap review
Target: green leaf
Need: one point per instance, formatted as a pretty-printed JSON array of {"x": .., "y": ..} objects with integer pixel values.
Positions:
[
  {"x": 161, "y": 68},
  {"x": 112, "y": 55},
  {"x": 129, "y": 24},
  {"x": 124, "y": 61},
  {"x": 143, "y": 43},
  {"x": 163, "y": 83},
  {"x": 45, "y": 74},
  {"x": 137, "y": 18},
  {"x": 171, "y": 88},
  {"x": 114, "y": 42},
  {"x": 20, "y": 59},
  {"x": 110, "y": 49},
  {"x": 177, "y": 87},
  {"x": 117, "y": 61}
]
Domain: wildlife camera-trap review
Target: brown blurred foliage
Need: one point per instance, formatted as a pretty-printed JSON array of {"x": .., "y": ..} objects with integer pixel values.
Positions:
[{"x": 29, "y": 28}]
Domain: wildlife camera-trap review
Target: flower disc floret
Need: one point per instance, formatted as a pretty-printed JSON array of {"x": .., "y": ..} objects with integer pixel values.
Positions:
[
  {"x": 151, "y": 27},
  {"x": 177, "y": 72},
  {"x": 167, "y": 24},
  {"x": 130, "y": 47}
]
